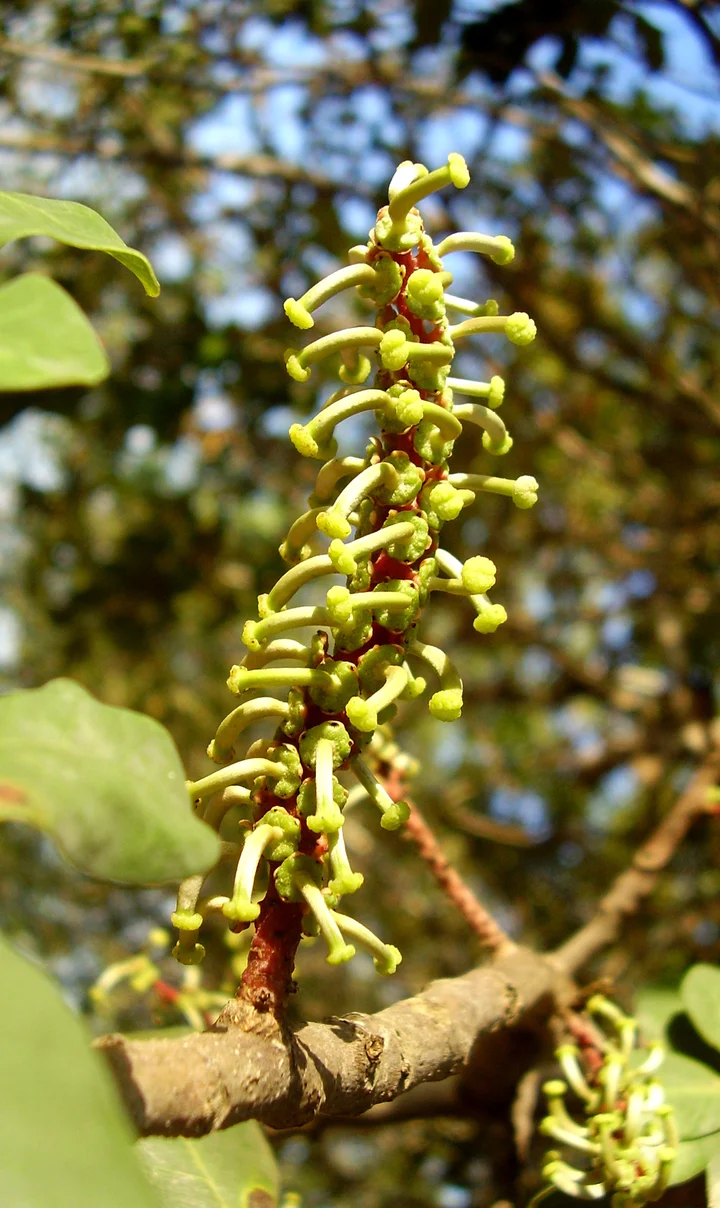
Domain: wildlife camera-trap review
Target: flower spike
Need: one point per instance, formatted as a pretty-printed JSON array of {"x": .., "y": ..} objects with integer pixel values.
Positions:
[{"x": 283, "y": 805}]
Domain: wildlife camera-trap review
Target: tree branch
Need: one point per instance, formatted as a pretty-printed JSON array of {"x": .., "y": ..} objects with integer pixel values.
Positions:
[
  {"x": 257, "y": 165},
  {"x": 651, "y": 859},
  {"x": 248, "y": 1066}
]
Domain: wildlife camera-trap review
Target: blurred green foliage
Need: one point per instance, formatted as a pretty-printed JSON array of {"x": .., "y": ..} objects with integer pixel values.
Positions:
[{"x": 243, "y": 146}]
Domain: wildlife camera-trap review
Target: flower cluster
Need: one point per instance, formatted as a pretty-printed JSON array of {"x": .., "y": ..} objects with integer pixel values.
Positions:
[
  {"x": 627, "y": 1142},
  {"x": 283, "y": 803}
]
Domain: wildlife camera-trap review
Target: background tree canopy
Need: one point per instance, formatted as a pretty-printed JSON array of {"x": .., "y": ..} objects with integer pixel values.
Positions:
[{"x": 243, "y": 147}]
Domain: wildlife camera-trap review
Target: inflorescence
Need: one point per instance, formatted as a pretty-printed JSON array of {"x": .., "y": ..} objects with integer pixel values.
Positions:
[
  {"x": 279, "y": 809},
  {"x": 627, "y": 1141}
]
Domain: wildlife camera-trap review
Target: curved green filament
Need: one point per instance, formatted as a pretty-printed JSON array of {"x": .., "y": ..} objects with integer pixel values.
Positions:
[
  {"x": 489, "y": 616},
  {"x": 255, "y": 633},
  {"x": 298, "y": 364},
  {"x": 447, "y": 422},
  {"x": 493, "y": 391},
  {"x": 483, "y": 417},
  {"x": 242, "y": 679},
  {"x": 327, "y": 816},
  {"x": 282, "y": 648},
  {"x": 246, "y": 769},
  {"x": 295, "y": 578},
  {"x": 394, "y": 813},
  {"x": 298, "y": 312},
  {"x": 363, "y": 713},
  {"x": 322, "y": 426},
  {"x": 386, "y": 957},
  {"x": 331, "y": 474},
  {"x": 338, "y": 950},
  {"x": 518, "y": 328},
  {"x": 334, "y": 522},
  {"x": 222, "y": 746},
  {"x": 497, "y": 247},
  {"x": 445, "y": 705},
  {"x": 454, "y": 172},
  {"x": 240, "y": 907},
  {"x": 294, "y": 547},
  {"x": 216, "y": 807},
  {"x": 344, "y": 880},
  {"x": 522, "y": 491}
]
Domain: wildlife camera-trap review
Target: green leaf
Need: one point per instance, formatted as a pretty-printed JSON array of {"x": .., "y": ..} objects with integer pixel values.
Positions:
[
  {"x": 694, "y": 1092},
  {"x": 700, "y": 992},
  {"x": 235, "y": 1168},
  {"x": 64, "y": 1140},
  {"x": 45, "y": 339},
  {"x": 693, "y": 1157},
  {"x": 106, "y": 782},
  {"x": 70, "y": 222},
  {"x": 654, "y": 1007}
]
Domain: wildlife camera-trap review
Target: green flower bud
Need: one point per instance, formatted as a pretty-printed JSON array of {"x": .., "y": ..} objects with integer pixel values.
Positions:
[
  {"x": 334, "y": 700},
  {"x": 292, "y": 363},
  {"x": 499, "y": 448},
  {"x": 389, "y": 277},
  {"x": 341, "y": 558},
  {"x": 394, "y": 350},
  {"x": 336, "y": 733},
  {"x": 387, "y": 963},
  {"x": 410, "y": 480},
  {"x": 425, "y": 295},
  {"x": 295, "y": 719},
  {"x": 249, "y": 638},
  {"x": 404, "y": 412},
  {"x": 355, "y": 634},
  {"x": 428, "y": 247},
  {"x": 305, "y": 444},
  {"x": 334, "y": 523},
  {"x": 428, "y": 374},
  {"x": 399, "y": 236},
  {"x": 392, "y": 619},
  {"x": 186, "y": 920},
  {"x": 307, "y": 799},
  {"x": 294, "y": 869},
  {"x": 504, "y": 250},
  {"x": 372, "y": 666},
  {"x": 429, "y": 443},
  {"x": 443, "y": 502},
  {"x": 426, "y": 570},
  {"x": 411, "y": 548},
  {"x": 188, "y": 953},
  {"x": 288, "y": 784},
  {"x": 290, "y": 827},
  {"x": 362, "y": 576}
]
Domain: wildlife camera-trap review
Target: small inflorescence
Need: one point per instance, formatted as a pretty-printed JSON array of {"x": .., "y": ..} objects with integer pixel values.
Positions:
[
  {"x": 627, "y": 1142},
  {"x": 282, "y": 805}
]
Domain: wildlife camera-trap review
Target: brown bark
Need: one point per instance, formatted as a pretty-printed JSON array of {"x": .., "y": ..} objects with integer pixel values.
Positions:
[{"x": 247, "y": 1066}]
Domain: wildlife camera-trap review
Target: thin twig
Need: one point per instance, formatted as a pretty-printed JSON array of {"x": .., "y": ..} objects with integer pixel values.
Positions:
[
  {"x": 652, "y": 858},
  {"x": 257, "y": 165},
  {"x": 416, "y": 829},
  {"x": 490, "y": 934}
]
